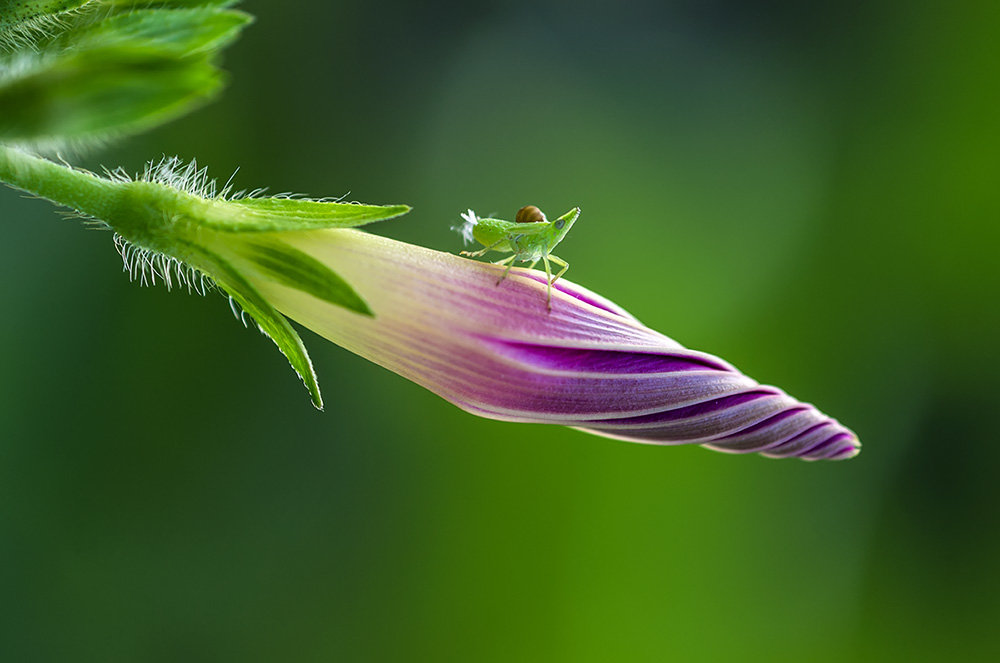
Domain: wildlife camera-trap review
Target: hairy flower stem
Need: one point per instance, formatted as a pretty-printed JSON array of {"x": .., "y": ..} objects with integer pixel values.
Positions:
[
  {"x": 79, "y": 190},
  {"x": 150, "y": 215},
  {"x": 142, "y": 213}
]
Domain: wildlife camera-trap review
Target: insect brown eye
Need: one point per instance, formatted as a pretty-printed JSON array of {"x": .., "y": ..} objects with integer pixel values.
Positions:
[{"x": 530, "y": 214}]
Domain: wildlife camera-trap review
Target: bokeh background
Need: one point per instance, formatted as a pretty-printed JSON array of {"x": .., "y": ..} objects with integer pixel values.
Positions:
[{"x": 809, "y": 190}]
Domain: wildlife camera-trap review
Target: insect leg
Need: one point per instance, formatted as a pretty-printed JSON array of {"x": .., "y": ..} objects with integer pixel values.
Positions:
[
  {"x": 559, "y": 261},
  {"x": 548, "y": 283},
  {"x": 506, "y": 261},
  {"x": 476, "y": 254}
]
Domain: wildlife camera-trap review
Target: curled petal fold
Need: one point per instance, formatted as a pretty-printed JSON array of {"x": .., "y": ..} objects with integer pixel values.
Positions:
[{"x": 495, "y": 350}]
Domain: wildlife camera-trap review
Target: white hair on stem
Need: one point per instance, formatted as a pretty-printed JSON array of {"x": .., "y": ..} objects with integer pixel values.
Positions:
[{"x": 145, "y": 267}]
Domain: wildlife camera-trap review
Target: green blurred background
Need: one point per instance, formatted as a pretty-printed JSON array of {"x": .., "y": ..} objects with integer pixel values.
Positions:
[{"x": 809, "y": 190}]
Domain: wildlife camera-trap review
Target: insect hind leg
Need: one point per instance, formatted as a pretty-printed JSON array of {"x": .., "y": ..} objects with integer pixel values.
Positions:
[
  {"x": 482, "y": 252},
  {"x": 509, "y": 261},
  {"x": 559, "y": 261},
  {"x": 548, "y": 283}
]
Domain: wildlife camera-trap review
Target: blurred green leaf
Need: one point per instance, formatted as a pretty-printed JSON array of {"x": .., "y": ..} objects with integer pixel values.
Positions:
[
  {"x": 177, "y": 33},
  {"x": 120, "y": 74},
  {"x": 97, "y": 95},
  {"x": 144, "y": 4}
]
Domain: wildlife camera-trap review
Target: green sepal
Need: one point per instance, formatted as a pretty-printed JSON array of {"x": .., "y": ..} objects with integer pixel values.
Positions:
[
  {"x": 270, "y": 321},
  {"x": 295, "y": 269},
  {"x": 289, "y": 214},
  {"x": 17, "y": 12}
]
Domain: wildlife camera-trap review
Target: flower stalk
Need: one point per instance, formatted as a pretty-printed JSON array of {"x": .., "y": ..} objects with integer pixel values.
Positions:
[{"x": 84, "y": 192}]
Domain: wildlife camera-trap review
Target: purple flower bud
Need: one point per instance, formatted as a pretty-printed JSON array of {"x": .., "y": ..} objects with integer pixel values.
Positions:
[{"x": 496, "y": 351}]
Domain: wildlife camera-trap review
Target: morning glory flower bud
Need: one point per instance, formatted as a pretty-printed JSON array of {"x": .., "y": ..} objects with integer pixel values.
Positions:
[
  {"x": 496, "y": 351},
  {"x": 489, "y": 345}
]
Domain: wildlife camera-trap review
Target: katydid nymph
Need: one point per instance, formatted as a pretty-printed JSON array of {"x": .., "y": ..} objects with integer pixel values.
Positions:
[{"x": 530, "y": 237}]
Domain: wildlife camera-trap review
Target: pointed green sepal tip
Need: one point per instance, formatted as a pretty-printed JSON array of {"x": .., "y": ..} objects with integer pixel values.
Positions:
[
  {"x": 293, "y": 268},
  {"x": 268, "y": 319},
  {"x": 290, "y": 214}
]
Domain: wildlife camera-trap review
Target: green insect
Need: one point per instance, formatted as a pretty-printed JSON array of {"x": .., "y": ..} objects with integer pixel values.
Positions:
[{"x": 530, "y": 237}]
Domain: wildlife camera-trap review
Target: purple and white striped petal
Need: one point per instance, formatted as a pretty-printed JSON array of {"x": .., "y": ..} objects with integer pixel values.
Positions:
[{"x": 496, "y": 351}]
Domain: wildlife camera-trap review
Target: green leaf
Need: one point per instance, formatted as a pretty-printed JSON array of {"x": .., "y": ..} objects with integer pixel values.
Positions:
[
  {"x": 288, "y": 214},
  {"x": 175, "y": 33},
  {"x": 169, "y": 3},
  {"x": 109, "y": 74},
  {"x": 94, "y": 95},
  {"x": 270, "y": 321},
  {"x": 291, "y": 267}
]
